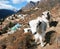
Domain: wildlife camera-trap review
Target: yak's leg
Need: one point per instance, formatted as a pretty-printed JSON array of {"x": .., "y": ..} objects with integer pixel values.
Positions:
[{"x": 41, "y": 41}]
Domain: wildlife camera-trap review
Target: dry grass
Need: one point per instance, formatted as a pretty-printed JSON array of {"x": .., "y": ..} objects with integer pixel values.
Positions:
[{"x": 18, "y": 40}]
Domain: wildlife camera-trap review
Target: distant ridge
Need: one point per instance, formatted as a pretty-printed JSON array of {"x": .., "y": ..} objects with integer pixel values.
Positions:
[{"x": 6, "y": 12}]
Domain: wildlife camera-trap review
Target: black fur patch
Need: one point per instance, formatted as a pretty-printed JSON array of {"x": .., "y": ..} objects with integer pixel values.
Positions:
[
  {"x": 39, "y": 23},
  {"x": 53, "y": 23},
  {"x": 35, "y": 33}
]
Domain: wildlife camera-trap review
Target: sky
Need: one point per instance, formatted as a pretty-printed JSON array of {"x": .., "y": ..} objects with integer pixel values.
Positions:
[{"x": 14, "y": 4}]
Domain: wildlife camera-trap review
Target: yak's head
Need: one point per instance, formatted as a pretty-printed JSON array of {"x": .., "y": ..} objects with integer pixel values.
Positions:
[{"x": 46, "y": 15}]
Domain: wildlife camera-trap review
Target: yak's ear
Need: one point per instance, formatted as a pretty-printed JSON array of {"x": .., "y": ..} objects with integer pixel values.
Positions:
[
  {"x": 47, "y": 13},
  {"x": 48, "y": 16}
]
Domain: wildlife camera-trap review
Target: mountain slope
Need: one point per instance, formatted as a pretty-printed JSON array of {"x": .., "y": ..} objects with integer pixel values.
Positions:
[
  {"x": 43, "y": 4},
  {"x": 30, "y": 5}
]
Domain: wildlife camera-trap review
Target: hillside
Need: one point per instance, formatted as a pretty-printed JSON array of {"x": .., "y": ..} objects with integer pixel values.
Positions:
[{"x": 21, "y": 40}]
